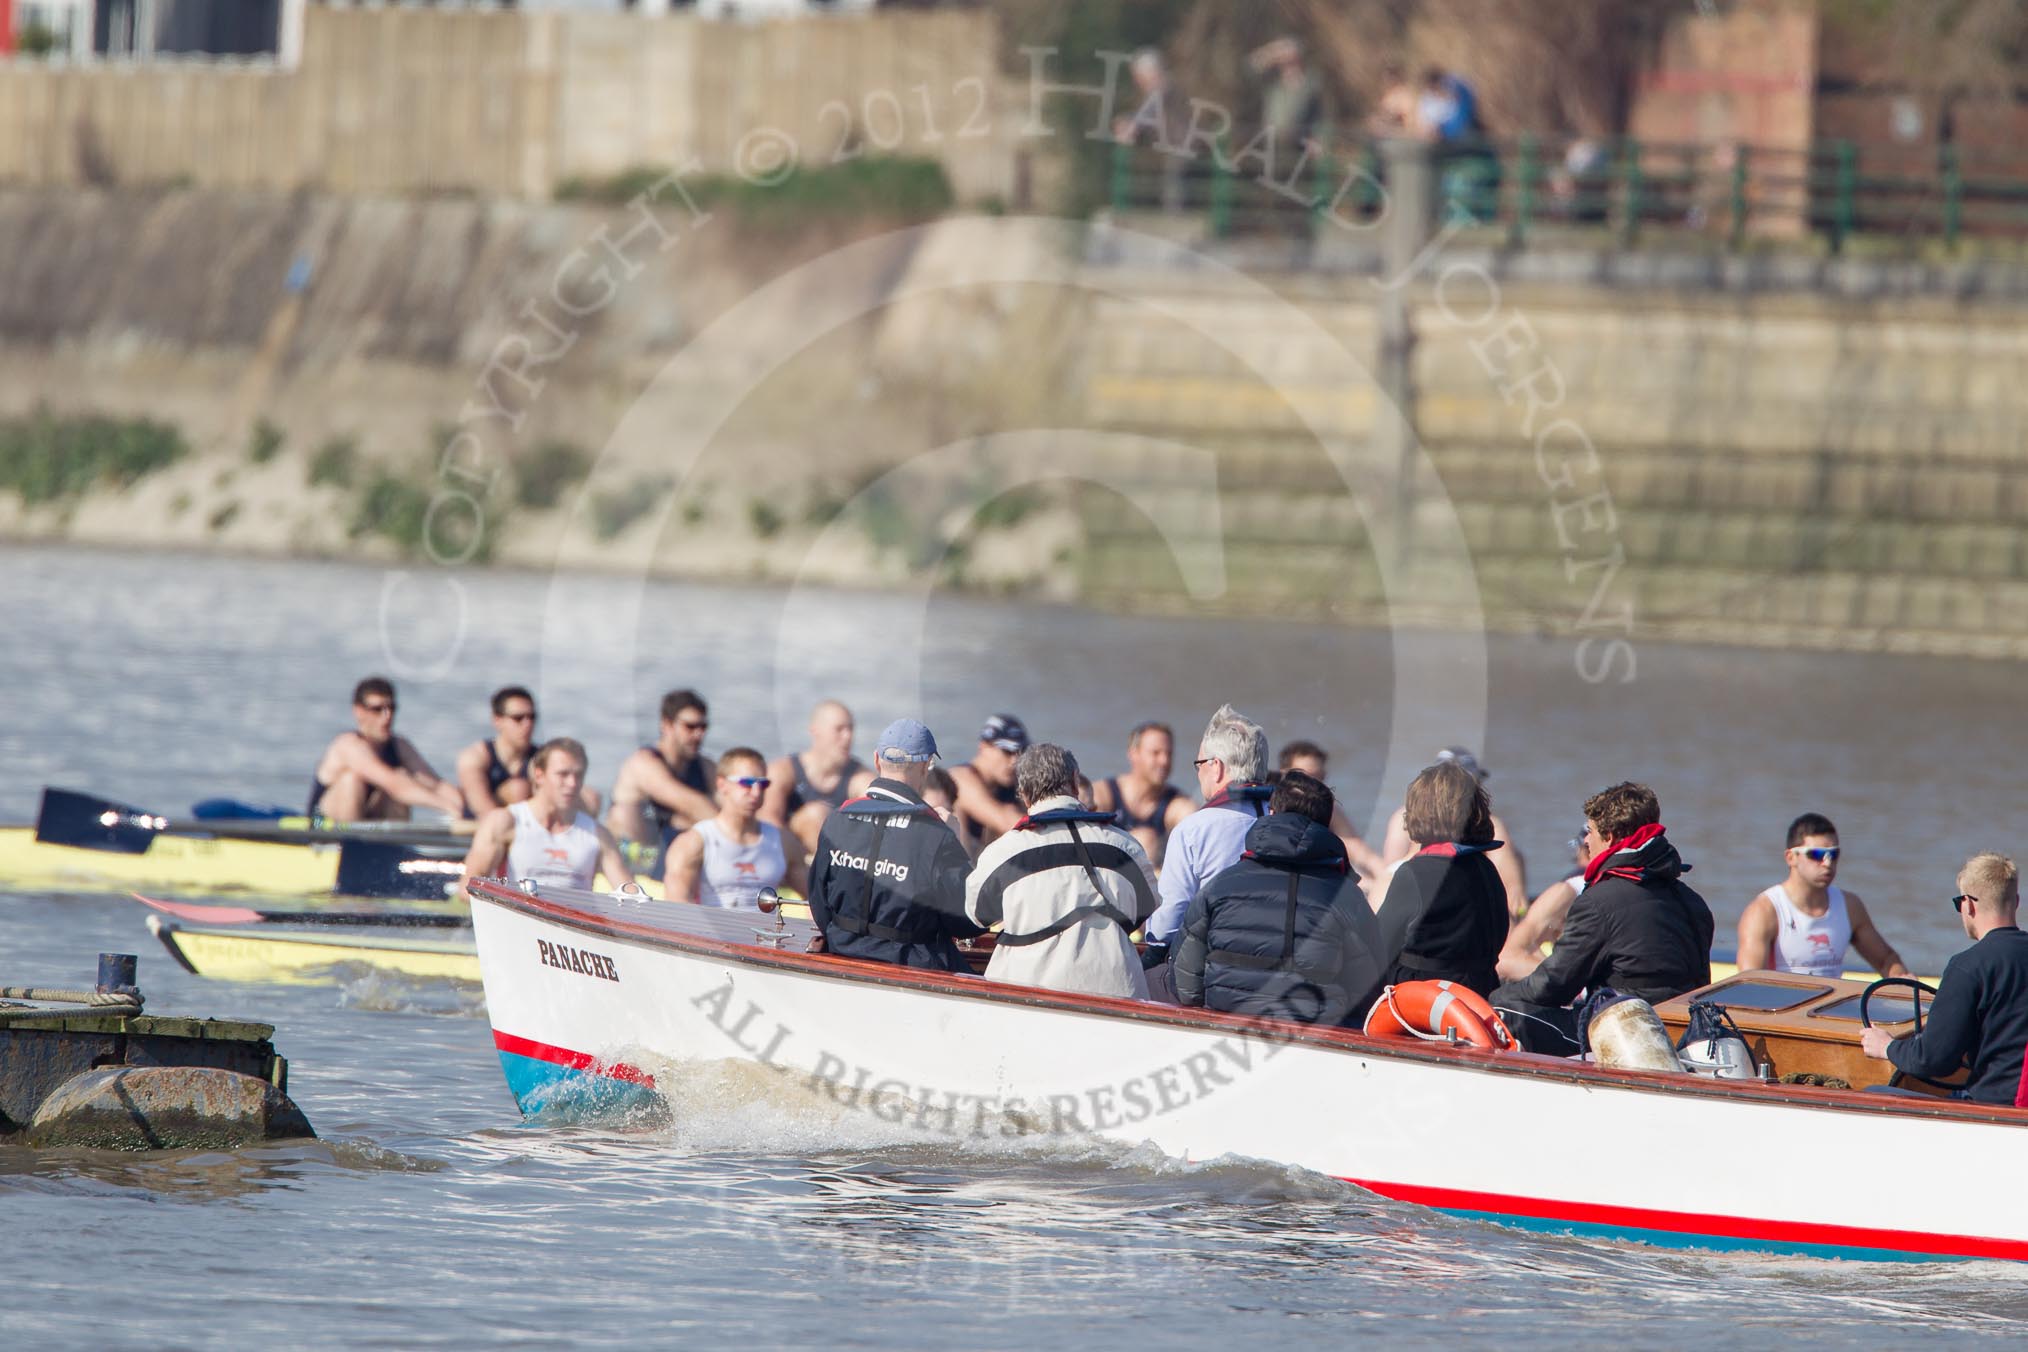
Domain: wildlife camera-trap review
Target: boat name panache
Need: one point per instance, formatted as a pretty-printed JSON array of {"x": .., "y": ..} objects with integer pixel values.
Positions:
[{"x": 579, "y": 960}]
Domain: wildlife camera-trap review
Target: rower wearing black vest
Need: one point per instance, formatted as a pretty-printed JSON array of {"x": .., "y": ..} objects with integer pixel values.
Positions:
[
  {"x": 665, "y": 788},
  {"x": 1286, "y": 932},
  {"x": 1067, "y": 887},
  {"x": 1148, "y": 805},
  {"x": 372, "y": 773},
  {"x": 887, "y": 881},
  {"x": 808, "y": 786},
  {"x": 489, "y": 778},
  {"x": 1444, "y": 916},
  {"x": 987, "y": 802}
]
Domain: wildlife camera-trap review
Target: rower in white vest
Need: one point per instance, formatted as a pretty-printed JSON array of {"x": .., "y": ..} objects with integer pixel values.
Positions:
[
  {"x": 1804, "y": 924},
  {"x": 728, "y": 859},
  {"x": 548, "y": 839}
]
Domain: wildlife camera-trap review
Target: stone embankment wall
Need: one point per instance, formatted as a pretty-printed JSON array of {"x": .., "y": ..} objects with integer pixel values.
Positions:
[
  {"x": 1781, "y": 468},
  {"x": 352, "y": 376},
  {"x": 1617, "y": 460},
  {"x": 507, "y": 103}
]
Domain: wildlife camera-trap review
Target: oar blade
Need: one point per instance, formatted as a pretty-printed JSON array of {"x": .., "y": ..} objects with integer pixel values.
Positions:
[
  {"x": 210, "y": 915},
  {"x": 246, "y": 915},
  {"x": 371, "y": 868},
  {"x": 90, "y": 823}
]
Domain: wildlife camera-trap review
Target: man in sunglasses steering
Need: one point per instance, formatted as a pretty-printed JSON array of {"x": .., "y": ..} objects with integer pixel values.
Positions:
[
  {"x": 1980, "y": 1015},
  {"x": 1804, "y": 923}
]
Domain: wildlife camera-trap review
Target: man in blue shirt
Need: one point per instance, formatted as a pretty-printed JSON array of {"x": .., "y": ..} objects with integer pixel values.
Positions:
[
  {"x": 1231, "y": 763},
  {"x": 1980, "y": 1015}
]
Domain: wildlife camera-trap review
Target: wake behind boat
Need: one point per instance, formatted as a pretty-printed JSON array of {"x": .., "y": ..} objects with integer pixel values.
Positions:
[{"x": 592, "y": 997}]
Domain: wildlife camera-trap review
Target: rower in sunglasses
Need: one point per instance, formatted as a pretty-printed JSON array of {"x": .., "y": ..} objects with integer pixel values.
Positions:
[
  {"x": 1804, "y": 923},
  {"x": 728, "y": 859},
  {"x": 374, "y": 774},
  {"x": 665, "y": 787}
]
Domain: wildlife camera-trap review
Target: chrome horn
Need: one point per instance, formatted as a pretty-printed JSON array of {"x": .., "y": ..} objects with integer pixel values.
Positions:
[{"x": 769, "y": 902}]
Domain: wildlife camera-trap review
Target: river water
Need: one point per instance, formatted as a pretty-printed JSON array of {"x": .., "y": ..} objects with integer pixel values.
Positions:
[{"x": 430, "y": 1216}]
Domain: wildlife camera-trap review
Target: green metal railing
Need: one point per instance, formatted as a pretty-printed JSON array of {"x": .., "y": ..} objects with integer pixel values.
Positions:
[{"x": 1836, "y": 191}]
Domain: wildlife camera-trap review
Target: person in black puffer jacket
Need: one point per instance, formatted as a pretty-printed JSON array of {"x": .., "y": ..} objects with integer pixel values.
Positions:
[
  {"x": 1444, "y": 916},
  {"x": 1285, "y": 933},
  {"x": 1636, "y": 927}
]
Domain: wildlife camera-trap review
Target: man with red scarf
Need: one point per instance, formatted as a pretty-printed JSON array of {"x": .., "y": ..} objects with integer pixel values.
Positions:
[{"x": 1636, "y": 927}]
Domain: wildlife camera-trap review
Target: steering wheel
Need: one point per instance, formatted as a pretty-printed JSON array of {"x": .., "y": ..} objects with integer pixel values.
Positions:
[{"x": 1865, "y": 1021}]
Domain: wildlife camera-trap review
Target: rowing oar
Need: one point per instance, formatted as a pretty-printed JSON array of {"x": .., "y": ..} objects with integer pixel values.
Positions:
[
  {"x": 247, "y": 915},
  {"x": 86, "y": 822}
]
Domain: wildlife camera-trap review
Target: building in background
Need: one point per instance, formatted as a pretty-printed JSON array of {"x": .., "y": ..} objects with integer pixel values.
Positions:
[{"x": 145, "y": 30}]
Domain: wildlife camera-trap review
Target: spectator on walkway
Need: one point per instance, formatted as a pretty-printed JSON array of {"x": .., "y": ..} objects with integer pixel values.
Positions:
[
  {"x": 1160, "y": 121},
  {"x": 1398, "y": 115},
  {"x": 1292, "y": 105}
]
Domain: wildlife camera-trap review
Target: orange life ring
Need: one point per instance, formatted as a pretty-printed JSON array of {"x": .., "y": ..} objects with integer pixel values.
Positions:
[{"x": 1432, "y": 1010}]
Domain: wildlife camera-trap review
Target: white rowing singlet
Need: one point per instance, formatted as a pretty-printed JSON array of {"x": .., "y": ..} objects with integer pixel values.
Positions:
[
  {"x": 1811, "y": 945},
  {"x": 733, "y": 875},
  {"x": 566, "y": 858}
]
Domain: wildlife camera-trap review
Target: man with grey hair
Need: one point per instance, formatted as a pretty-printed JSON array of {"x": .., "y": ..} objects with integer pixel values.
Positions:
[
  {"x": 1067, "y": 886},
  {"x": 887, "y": 880},
  {"x": 1232, "y": 763}
]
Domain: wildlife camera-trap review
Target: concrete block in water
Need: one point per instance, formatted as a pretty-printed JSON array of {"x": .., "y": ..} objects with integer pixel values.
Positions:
[{"x": 165, "y": 1108}]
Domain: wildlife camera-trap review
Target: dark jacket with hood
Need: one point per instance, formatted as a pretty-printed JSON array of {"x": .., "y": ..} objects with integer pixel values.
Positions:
[
  {"x": 1445, "y": 918},
  {"x": 1284, "y": 933},
  {"x": 887, "y": 881},
  {"x": 1636, "y": 927}
]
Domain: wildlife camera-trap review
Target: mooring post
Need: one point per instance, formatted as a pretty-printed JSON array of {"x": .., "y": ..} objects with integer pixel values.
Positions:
[
  {"x": 117, "y": 972},
  {"x": 1406, "y": 232}
]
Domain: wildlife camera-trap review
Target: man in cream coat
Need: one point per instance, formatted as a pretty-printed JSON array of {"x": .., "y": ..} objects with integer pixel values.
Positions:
[{"x": 1066, "y": 887}]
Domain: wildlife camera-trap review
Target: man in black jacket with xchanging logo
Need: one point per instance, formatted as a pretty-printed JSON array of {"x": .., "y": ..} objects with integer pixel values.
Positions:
[{"x": 887, "y": 881}]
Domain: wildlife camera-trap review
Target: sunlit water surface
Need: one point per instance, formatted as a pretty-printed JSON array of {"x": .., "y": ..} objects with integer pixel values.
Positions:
[{"x": 430, "y": 1216}]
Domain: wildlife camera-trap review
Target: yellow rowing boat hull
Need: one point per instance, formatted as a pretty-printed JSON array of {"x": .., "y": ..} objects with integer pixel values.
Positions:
[
  {"x": 172, "y": 863},
  {"x": 298, "y": 958}
]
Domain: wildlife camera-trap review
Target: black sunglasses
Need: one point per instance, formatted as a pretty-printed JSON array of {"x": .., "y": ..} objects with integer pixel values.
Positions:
[{"x": 1958, "y": 901}]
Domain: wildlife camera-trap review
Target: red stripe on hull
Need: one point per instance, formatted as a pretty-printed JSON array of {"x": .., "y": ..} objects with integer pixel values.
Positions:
[
  {"x": 1695, "y": 1223},
  {"x": 563, "y": 1056}
]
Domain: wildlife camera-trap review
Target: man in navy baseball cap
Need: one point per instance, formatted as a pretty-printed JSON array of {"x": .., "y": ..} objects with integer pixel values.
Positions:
[
  {"x": 906, "y": 742},
  {"x": 887, "y": 879}
]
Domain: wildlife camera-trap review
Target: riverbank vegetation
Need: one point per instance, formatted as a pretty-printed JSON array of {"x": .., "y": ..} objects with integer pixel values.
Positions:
[
  {"x": 47, "y": 458},
  {"x": 872, "y": 187}
]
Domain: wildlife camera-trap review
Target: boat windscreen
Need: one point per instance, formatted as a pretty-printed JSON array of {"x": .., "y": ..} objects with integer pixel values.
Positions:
[
  {"x": 1765, "y": 996},
  {"x": 1887, "y": 1007}
]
